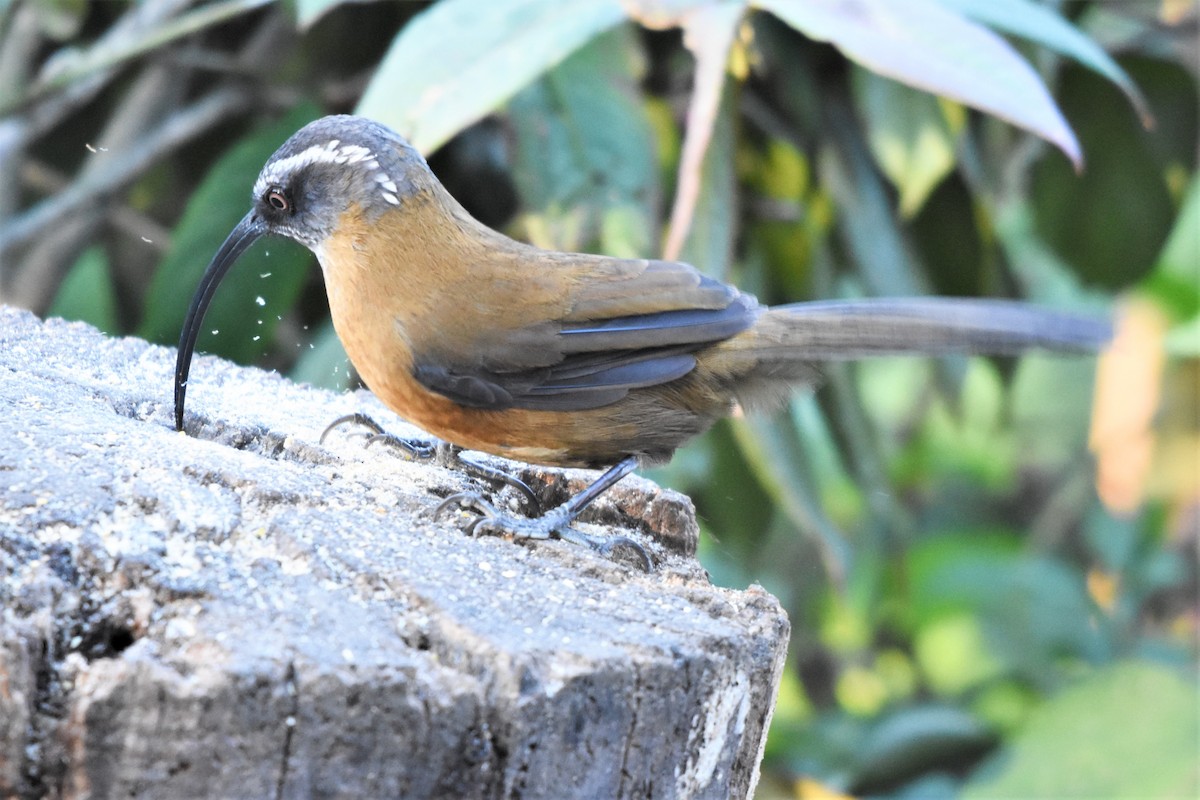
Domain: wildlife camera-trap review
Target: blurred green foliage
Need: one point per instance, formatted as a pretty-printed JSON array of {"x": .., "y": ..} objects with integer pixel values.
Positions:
[{"x": 970, "y": 614}]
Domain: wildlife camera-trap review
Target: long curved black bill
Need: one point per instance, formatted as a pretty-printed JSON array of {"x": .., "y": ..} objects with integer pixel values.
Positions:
[{"x": 244, "y": 234}]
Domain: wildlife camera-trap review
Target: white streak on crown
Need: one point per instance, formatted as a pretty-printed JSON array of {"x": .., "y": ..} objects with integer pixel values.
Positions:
[{"x": 332, "y": 152}]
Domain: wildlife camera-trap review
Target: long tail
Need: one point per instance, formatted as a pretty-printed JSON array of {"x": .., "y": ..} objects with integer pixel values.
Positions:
[
  {"x": 845, "y": 329},
  {"x": 787, "y": 343}
]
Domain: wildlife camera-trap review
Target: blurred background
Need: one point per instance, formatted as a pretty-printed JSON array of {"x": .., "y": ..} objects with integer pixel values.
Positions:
[{"x": 989, "y": 564}]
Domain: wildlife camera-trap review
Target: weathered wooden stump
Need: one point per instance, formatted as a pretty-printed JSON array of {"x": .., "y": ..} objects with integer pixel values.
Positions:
[{"x": 244, "y": 613}]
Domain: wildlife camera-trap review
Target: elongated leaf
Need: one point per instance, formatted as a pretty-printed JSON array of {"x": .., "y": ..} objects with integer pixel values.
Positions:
[
  {"x": 585, "y": 163},
  {"x": 919, "y": 738},
  {"x": 924, "y": 44},
  {"x": 265, "y": 282},
  {"x": 871, "y": 232},
  {"x": 911, "y": 135},
  {"x": 1044, "y": 276},
  {"x": 1038, "y": 23},
  {"x": 460, "y": 59},
  {"x": 770, "y": 446},
  {"x": 86, "y": 293}
]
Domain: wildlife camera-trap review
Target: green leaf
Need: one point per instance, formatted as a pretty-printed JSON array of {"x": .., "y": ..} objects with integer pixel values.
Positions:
[
  {"x": 86, "y": 294},
  {"x": 871, "y": 231},
  {"x": 325, "y": 362},
  {"x": 1173, "y": 281},
  {"x": 1039, "y": 23},
  {"x": 912, "y": 135},
  {"x": 1130, "y": 730},
  {"x": 1113, "y": 539},
  {"x": 1184, "y": 340},
  {"x": 963, "y": 436},
  {"x": 953, "y": 654},
  {"x": 584, "y": 161},
  {"x": 840, "y": 493},
  {"x": 777, "y": 459},
  {"x": 460, "y": 59},
  {"x": 265, "y": 282},
  {"x": 1073, "y": 213},
  {"x": 1033, "y": 611},
  {"x": 919, "y": 738},
  {"x": 1050, "y": 410},
  {"x": 1044, "y": 276},
  {"x": 926, "y": 45},
  {"x": 945, "y": 572}
]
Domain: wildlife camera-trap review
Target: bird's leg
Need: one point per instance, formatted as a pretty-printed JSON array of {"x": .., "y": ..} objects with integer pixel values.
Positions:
[
  {"x": 555, "y": 522},
  {"x": 495, "y": 475},
  {"x": 442, "y": 453}
]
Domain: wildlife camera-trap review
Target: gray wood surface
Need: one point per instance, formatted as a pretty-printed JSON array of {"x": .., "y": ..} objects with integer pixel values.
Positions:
[{"x": 242, "y": 612}]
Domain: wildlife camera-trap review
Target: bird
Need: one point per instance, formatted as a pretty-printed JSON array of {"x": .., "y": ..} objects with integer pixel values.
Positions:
[{"x": 555, "y": 358}]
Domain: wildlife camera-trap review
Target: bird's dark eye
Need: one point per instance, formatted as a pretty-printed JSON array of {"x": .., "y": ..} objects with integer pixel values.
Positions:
[{"x": 279, "y": 199}]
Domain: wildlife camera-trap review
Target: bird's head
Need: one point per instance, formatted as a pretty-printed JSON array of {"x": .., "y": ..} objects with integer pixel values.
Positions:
[{"x": 324, "y": 169}]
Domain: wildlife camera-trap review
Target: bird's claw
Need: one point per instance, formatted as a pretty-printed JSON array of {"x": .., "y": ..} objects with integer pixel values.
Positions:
[
  {"x": 493, "y": 522},
  {"x": 469, "y": 501},
  {"x": 422, "y": 451},
  {"x": 496, "y": 476},
  {"x": 442, "y": 453},
  {"x": 413, "y": 448},
  {"x": 607, "y": 545}
]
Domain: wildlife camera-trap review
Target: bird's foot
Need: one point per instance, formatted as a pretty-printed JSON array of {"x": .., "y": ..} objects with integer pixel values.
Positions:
[
  {"x": 441, "y": 453},
  {"x": 555, "y": 522},
  {"x": 538, "y": 525},
  {"x": 418, "y": 449}
]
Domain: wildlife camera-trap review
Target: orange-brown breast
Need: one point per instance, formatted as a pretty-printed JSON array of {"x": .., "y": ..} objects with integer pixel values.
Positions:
[{"x": 411, "y": 281}]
